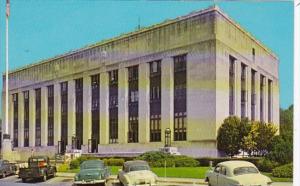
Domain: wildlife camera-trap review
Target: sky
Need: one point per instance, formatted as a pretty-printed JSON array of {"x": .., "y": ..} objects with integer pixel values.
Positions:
[{"x": 40, "y": 29}]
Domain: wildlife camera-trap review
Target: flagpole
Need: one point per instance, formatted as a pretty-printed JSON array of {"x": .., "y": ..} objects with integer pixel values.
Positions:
[{"x": 6, "y": 74}]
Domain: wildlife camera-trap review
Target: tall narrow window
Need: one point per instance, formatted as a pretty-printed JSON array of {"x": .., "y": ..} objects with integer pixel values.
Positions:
[
  {"x": 270, "y": 109},
  {"x": 243, "y": 91},
  {"x": 262, "y": 99},
  {"x": 113, "y": 106},
  {"x": 253, "y": 95},
  {"x": 64, "y": 115},
  {"x": 95, "y": 112},
  {"x": 38, "y": 117},
  {"x": 155, "y": 101},
  {"x": 16, "y": 119},
  {"x": 231, "y": 85},
  {"x": 180, "y": 124},
  {"x": 133, "y": 128},
  {"x": 26, "y": 118},
  {"x": 50, "y": 115},
  {"x": 79, "y": 112},
  {"x": 253, "y": 54}
]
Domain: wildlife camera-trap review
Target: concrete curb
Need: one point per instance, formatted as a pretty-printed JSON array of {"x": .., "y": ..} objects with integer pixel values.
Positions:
[{"x": 160, "y": 179}]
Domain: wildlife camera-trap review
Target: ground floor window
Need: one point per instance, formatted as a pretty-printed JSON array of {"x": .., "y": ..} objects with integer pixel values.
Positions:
[
  {"x": 155, "y": 128},
  {"x": 180, "y": 126},
  {"x": 133, "y": 130}
]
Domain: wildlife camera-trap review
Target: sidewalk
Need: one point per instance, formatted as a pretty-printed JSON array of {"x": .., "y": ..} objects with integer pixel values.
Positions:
[{"x": 160, "y": 179}]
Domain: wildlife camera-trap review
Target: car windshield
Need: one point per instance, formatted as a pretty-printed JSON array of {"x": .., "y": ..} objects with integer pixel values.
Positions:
[
  {"x": 34, "y": 162},
  {"x": 245, "y": 170},
  {"x": 139, "y": 167},
  {"x": 92, "y": 165}
]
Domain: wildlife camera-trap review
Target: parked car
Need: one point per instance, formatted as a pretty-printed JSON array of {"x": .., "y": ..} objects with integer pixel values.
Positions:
[
  {"x": 236, "y": 173},
  {"x": 38, "y": 168},
  {"x": 92, "y": 172},
  {"x": 7, "y": 168},
  {"x": 136, "y": 173}
]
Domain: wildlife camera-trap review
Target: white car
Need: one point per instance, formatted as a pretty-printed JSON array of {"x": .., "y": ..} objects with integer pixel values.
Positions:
[
  {"x": 136, "y": 173},
  {"x": 236, "y": 173}
]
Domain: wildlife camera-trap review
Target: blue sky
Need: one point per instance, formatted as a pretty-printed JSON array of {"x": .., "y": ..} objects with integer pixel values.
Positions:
[{"x": 40, "y": 29}]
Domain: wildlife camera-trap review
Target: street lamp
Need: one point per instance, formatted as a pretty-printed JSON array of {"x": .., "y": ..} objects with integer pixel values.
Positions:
[{"x": 168, "y": 137}]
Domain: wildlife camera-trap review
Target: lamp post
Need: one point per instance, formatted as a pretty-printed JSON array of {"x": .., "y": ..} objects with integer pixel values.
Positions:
[{"x": 168, "y": 137}]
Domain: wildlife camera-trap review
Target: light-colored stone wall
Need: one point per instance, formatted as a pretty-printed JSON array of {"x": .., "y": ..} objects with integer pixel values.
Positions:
[{"x": 232, "y": 40}]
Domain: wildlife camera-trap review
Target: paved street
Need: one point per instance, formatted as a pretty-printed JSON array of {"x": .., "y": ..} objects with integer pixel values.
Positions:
[{"x": 68, "y": 181}]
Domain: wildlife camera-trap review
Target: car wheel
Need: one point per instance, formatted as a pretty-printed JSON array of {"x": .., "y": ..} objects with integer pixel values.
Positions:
[{"x": 24, "y": 180}]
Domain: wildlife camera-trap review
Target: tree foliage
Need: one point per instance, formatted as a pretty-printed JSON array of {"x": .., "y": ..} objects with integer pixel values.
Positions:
[
  {"x": 229, "y": 139},
  {"x": 237, "y": 135}
]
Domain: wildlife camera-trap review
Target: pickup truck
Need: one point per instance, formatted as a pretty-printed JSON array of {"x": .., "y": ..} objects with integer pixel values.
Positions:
[
  {"x": 7, "y": 168},
  {"x": 38, "y": 168}
]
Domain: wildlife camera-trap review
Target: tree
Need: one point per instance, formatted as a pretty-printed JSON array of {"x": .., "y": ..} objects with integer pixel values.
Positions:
[
  {"x": 282, "y": 148},
  {"x": 265, "y": 134},
  {"x": 246, "y": 140},
  {"x": 228, "y": 139},
  {"x": 286, "y": 119}
]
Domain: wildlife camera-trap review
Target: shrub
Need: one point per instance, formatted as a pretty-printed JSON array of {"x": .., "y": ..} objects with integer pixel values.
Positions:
[
  {"x": 114, "y": 161},
  {"x": 266, "y": 165},
  {"x": 159, "y": 159},
  {"x": 185, "y": 161},
  {"x": 284, "y": 171},
  {"x": 63, "y": 168},
  {"x": 74, "y": 164}
]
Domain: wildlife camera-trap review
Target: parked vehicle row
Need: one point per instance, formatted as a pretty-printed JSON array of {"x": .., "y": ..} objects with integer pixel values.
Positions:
[
  {"x": 7, "y": 168},
  {"x": 133, "y": 173}
]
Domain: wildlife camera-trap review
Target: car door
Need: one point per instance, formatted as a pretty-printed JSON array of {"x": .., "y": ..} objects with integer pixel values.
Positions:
[
  {"x": 213, "y": 179},
  {"x": 222, "y": 178}
]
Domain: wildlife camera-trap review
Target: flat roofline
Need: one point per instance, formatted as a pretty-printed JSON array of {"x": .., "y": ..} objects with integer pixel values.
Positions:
[{"x": 145, "y": 29}]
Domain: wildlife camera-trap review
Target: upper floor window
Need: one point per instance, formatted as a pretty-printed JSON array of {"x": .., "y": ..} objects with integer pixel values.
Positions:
[
  {"x": 113, "y": 76},
  {"x": 180, "y": 62},
  {"x": 133, "y": 73},
  {"x": 155, "y": 67}
]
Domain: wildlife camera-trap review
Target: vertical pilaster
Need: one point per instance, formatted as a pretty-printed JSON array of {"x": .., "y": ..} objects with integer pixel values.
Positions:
[
  {"x": 248, "y": 92},
  {"x": 21, "y": 119},
  {"x": 87, "y": 115},
  {"x": 32, "y": 118},
  {"x": 71, "y": 111},
  {"x": 57, "y": 113},
  {"x": 144, "y": 103},
  {"x": 123, "y": 105},
  {"x": 104, "y": 115},
  {"x": 44, "y": 116},
  {"x": 266, "y": 99},
  {"x": 11, "y": 116},
  {"x": 238, "y": 88},
  {"x": 257, "y": 92},
  {"x": 167, "y": 96}
]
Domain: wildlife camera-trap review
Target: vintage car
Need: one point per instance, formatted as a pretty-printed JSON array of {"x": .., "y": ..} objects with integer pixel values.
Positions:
[
  {"x": 7, "y": 168},
  {"x": 92, "y": 172},
  {"x": 38, "y": 168},
  {"x": 236, "y": 173},
  {"x": 136, "y": 173}
]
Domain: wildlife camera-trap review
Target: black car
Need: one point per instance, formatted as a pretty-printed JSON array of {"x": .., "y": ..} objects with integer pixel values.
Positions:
[{"x": 38, "y": 168}]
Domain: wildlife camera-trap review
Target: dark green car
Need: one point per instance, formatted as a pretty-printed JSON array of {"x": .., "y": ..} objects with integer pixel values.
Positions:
[{"x": 92, "y": 172}]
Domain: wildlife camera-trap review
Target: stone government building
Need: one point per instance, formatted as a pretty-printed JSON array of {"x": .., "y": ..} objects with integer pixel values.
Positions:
[{"x": 118, "y": 96}]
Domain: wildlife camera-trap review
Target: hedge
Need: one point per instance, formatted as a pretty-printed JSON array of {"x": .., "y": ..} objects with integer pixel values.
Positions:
[
  {"x": 284, "y": 171},
  {"x": 205, "y": 161},
  {"x": 160, "y": 159},
  {"x": 75, "y": 164},
  {"x": 266, "y": 165}
]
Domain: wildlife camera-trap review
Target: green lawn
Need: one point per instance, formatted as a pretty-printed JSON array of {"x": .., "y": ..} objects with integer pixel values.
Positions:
[
  {"x": 275, "y": 179},
  {"x": 176, "y": 172},
  {"x": 184, "y": 172}
]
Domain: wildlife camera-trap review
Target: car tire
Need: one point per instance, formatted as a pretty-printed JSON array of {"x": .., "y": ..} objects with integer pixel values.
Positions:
[{"x": 24, "y": 180}]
